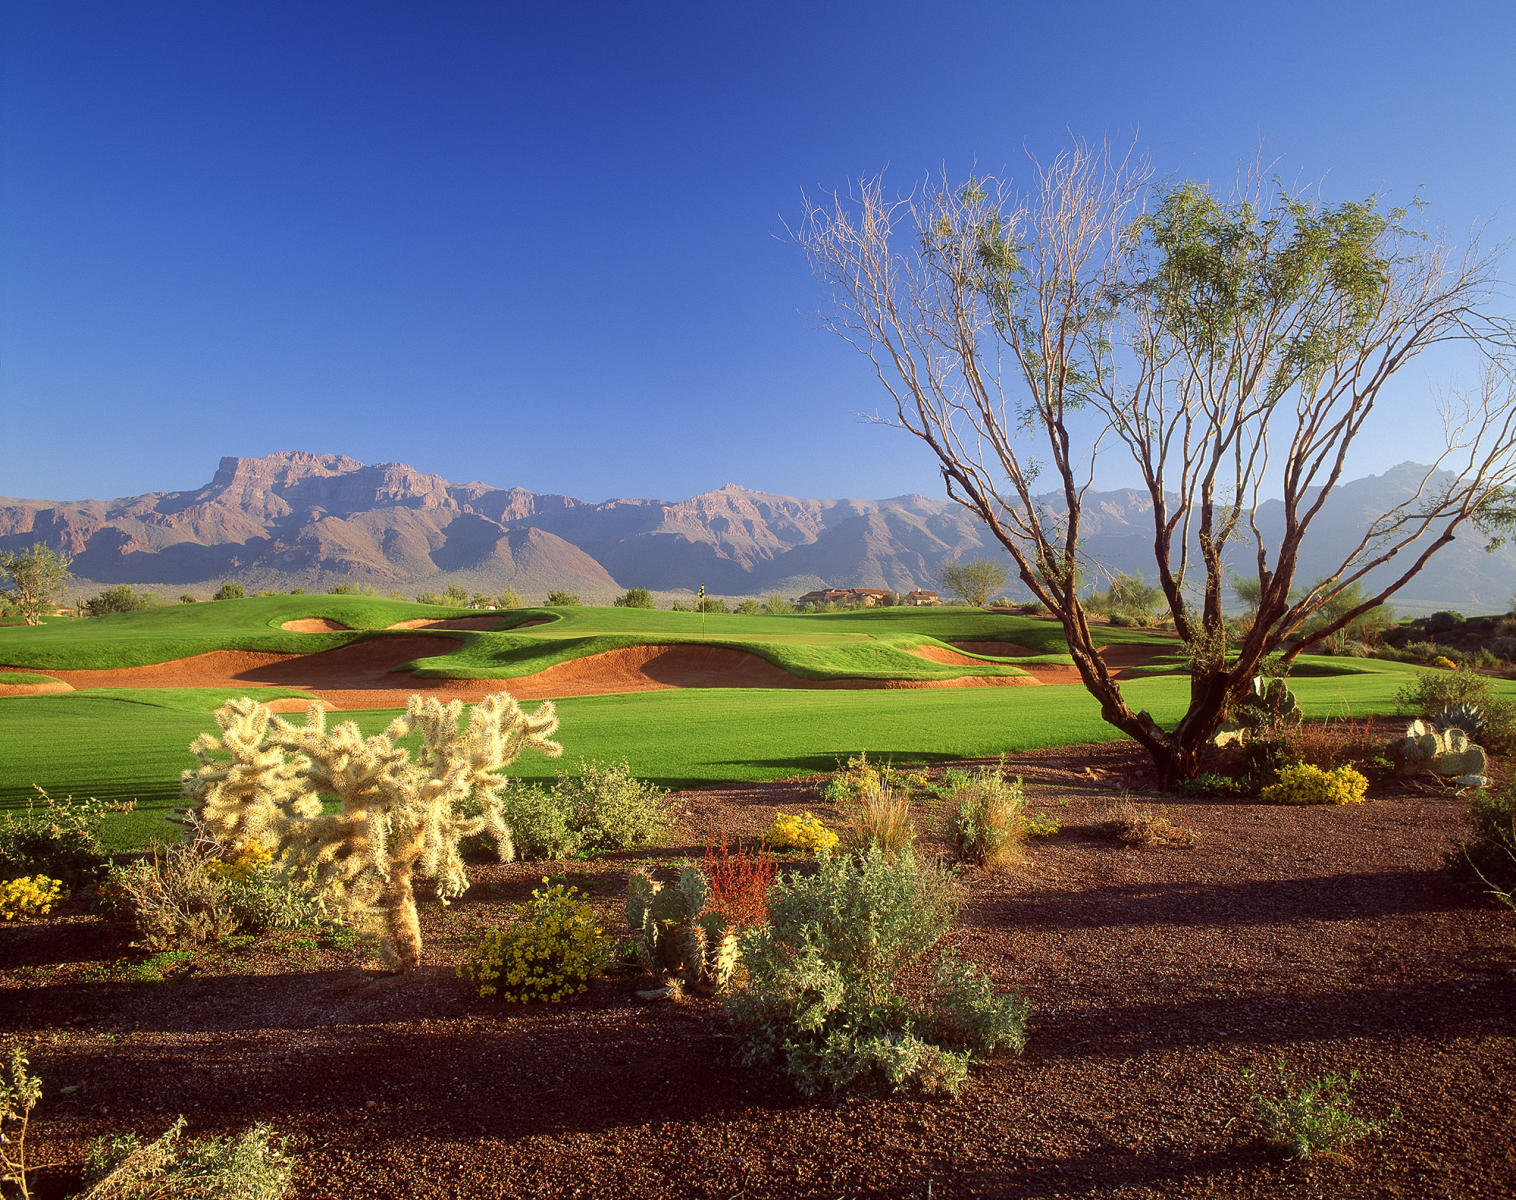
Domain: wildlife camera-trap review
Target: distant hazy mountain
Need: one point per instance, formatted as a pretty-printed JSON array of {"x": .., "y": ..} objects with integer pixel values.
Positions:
[{"x": 311, "y": 520}]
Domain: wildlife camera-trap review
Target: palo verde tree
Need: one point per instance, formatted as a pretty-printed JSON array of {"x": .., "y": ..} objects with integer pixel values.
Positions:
[
  {"x": 398, "y": 818},
  {"x": 1227, "y": 348},
  {"x": 972, "y": 581},
  {"x": 38, "y": 578}
]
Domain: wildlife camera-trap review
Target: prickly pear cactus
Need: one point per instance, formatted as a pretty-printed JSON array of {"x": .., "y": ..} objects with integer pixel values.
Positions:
[{"x": 1444, "y": 752}]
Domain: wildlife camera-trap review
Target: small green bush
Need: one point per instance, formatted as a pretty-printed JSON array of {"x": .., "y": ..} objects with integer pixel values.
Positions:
[
  {"x": 254, "y": 1166},
  {"x": 634, "y": 598},
  {"x": 57, "y": 838},
  {"x": 230, "y": 591},
  {"x": 562, "y": 599},
  {"x": 987, "y": 821},
  {"x": 610, "y": 809},
  {"x": 1314, "y": 1119},
  {"x": 821, "y": 998},
  {"x": 539, "y": 823},
  {"x": 549, "y": 952}
]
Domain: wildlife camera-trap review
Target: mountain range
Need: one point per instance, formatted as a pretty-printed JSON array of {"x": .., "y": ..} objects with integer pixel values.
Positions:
[{"x": 296, "y": 519}]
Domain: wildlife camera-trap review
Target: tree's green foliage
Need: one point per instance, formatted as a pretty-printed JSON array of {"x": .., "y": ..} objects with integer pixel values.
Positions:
[
  {"x": 122, "y": 598},
  {"x": 38, "y": 578},
  {"x": 634, "y": 598},
  {"x": 972, "y": 581},
  {"x": 558, "y": 598},
  {"x": 230, "y": 591},
  {"x": 264, "y": 778}
]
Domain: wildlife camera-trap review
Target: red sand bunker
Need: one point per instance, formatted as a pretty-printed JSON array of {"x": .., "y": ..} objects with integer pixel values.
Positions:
[{"x": 363, "y": 675}]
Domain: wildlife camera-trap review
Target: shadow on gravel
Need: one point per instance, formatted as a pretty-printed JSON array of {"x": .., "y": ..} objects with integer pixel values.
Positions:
[{"x": 1341, "y": 897}]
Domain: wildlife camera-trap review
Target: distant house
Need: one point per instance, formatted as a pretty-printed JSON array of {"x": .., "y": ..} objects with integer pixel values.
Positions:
[
  {"x": 921, "y": 597},
  {"x": 846, "y": 597}
]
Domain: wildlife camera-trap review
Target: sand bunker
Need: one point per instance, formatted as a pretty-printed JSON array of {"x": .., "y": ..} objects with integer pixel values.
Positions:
[
  {"x": 363, "y": 674},
  {"x": 314, "y": 625},
  {"x": 488, "y": 621},
  {"x": 33, "y": 689}
]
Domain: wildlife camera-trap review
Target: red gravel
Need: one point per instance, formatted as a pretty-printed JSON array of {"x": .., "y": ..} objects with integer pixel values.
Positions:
[{"x": 1329, "y": 937}]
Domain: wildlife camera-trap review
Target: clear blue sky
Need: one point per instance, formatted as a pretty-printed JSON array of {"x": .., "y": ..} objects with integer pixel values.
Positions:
[{"x": 541, "y": 244}]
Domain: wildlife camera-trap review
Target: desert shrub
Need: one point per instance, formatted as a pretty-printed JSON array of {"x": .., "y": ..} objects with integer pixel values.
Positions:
[
  {"x": 1443, "y": 663},
  {"x": 822, "y": 1000},
  {"x": 510, "y": 598},
  {"x": 1212, "y": 783},
  {"x": 123, "y": 598},
  {"x": 539, "y": 823},
  {"x": 29, "y": 896},
  {"x": 851, "y": 781},
  {"x": 1040, "y": 825},
  {"x": 750, "y": 607},
  {"x": 1431, "y": 691},
  {"x": 20, "y": 1091},
  {"x": 171, "y": 899},
  {"x": 253, "y": 1166},
  {"x": 1141, "y": 825},
  {"x": 549, "y": 952},
  {"x": 230, "y": 591},
  {"x": 57, "y": 838},
  {"x": 1304, "y": 784},
  {"x": 739, "y": 882},
  {"x": 1329, "y": 745},
  {"x": 1314, "y": 1119},
  {"x": 562, "y": 599},
  {"x": 610, "y": 809},
  {"x": 1489, "y": 851},
  {"x": 987, "y": 819},
  {"x": 1443, "y": 622},
  {"x": 1503, "y": 647},
  {"x": 800, "y": 832},
  {"x": 775, "y": 605},
  {"x": 634, "y": 598}
]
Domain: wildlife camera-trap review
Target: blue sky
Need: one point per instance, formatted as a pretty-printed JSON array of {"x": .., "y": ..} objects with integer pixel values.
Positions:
[{"x": 542, "y": 244}]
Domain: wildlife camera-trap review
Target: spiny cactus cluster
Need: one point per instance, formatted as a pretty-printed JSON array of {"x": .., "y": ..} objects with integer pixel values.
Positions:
[
  {"x": 1445, "y": 752},
  {"x": 400, "y": 816},
  {"x": 676, "y": 933}
]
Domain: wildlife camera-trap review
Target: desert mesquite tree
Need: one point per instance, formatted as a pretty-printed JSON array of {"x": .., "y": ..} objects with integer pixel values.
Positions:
[
  {"x": 399, "y": 817},
  {"x": 1227, "y": 349}
]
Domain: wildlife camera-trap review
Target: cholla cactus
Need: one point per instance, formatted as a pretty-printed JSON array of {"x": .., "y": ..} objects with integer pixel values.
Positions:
[
  {"x": 399, "y": 817},
  {"x": 675, "y": 932}
]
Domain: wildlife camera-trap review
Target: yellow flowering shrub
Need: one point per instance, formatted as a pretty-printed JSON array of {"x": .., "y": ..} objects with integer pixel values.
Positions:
[
  {"x": 29, "y": 896},
  {"x": 1040, "y": 825},
  {"x": 548, "y": 953},
  {"x": 1443, "y": 663},
  {"x": 250, "y": 859},
  {"x": 804, "y": 832},
  {"x": 1305, "y": 784}
]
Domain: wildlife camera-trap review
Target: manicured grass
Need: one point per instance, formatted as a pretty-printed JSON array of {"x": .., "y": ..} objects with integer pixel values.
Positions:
[
  {"x": 177, "y": 631},
  {"x": 863, "y": 645},
  {"x": 123, "y": 744}
]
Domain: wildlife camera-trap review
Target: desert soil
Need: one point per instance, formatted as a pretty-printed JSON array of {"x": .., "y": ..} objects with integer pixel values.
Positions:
[{"x": 1157, "y": 977}]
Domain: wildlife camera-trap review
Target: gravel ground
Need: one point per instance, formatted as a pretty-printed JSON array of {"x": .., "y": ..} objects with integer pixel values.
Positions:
[{"x": 1331, "y": 938}]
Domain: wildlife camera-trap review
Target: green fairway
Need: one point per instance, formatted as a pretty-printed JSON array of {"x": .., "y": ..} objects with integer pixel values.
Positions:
[
  {"x": 861, "y": 645},
  {"x": 158, "y": 635},
  {"x": 125, "y": 744}
]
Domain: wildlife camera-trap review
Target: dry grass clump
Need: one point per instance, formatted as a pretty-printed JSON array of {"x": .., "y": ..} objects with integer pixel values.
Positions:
[
  {"x": 879, "y": 815},
  {"x": 1142, "y": 825},
  {"x": 987, "y": 820}
]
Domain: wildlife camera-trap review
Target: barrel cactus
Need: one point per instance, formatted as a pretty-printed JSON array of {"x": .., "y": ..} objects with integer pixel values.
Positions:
[{"x": 675, "y": 933}]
